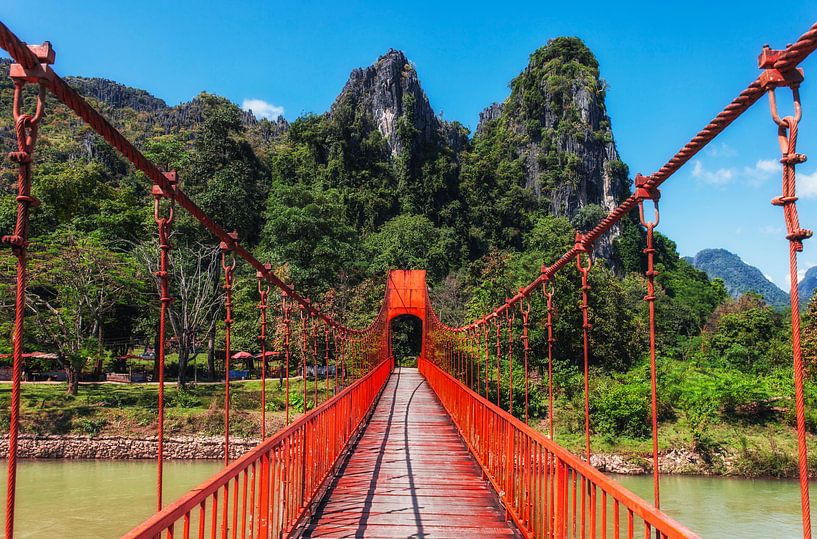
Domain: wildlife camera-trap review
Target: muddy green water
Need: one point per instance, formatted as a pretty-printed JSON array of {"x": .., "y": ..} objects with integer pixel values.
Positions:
[
  {"x": 99, "y": 498},
  {"x": 107, "y": 498},
  {"x": 720, "y": 507}
]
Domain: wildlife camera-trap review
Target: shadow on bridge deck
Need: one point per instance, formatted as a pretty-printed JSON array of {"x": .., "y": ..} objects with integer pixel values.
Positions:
[{"x": 409, "y": 475}]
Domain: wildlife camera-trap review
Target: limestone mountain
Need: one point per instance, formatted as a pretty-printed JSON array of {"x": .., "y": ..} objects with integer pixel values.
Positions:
[
  {"x": 546, "y": 150},
  {"x": 381, "y": 135},
  {"x": 738, "y": 276},
  {"x": 387, "y": 91},
  {"x": 551, "y": 138},
  {"x": 142, "y": 115}
]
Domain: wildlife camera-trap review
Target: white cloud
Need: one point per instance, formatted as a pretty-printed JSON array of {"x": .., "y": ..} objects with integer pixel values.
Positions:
[
  {"x": 721, "y": 176},
  {"x": 762, "y": 171},
  {"x": 770, "y": 230},
  {"x": 721, "y": 150},
  {"x": 755, "y": 175},
  {"x": 807, "y": 185},
  {"x": 800, "y": 274},
  {"x": 262, "y": 109}
]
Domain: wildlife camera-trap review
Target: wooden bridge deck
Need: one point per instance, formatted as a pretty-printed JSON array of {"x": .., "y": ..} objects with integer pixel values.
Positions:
[{"x": 409, "y": 475}]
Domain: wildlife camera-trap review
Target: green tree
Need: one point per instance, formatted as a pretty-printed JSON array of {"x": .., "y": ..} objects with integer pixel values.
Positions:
[
  {"x": 743, "y": 333},
  {"x": 76, "y": 284},
  {"x": 809, "y": 334},
  {"x": 306, "y": 228},
  {"x": 588, "y": 217},
  {"x": 225, "y": 177},
  {"x": 409, "y": 242}
]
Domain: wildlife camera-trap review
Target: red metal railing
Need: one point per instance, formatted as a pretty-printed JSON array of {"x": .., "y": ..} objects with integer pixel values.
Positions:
[
  {"x": 268, "y": 489},
  {"x": 548, "y": 491}
]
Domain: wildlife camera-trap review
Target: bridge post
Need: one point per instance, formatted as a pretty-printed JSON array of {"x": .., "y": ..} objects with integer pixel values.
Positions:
[
  {"x": 560, "y": 514},
  {"x": 263, "y": 496}
]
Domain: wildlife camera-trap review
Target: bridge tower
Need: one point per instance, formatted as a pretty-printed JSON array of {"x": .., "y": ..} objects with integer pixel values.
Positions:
[{"x": 407, "y": 294}]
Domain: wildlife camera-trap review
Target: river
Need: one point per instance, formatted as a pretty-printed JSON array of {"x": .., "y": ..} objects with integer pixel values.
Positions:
[
  {"x": 720, "y": 507},
  {"x": 95, "y": 498},
  {"x": 58, "y": 498}
]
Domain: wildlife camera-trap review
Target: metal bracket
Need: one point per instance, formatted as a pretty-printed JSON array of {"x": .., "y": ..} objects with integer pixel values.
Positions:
[
  {"x": 42, "y": 72},
  {"x": 642, "y": 192},
  {"x": 225, "y": 246},
  {"x": 774, "y": 78},
  {"x": 172, "y": 178}
]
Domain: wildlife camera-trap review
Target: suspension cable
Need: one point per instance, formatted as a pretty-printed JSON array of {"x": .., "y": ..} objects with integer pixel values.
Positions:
[
  {"x": 584, "y": 269},
  {"x": 314, "y": 326},
  {"x": 487, "y": 356},
  {"x": 286, "y": 308},
  {"x": 498, "y": 324},
  {"x": 524, "y": 308},
  {"x": 263, "y": 305},
  {"x": 326, "y": 361},
  {"x": 163, "y": 224},
  {"x": 304, "y": 347},
  {"x": 651, "y": 273},
  {"x": 229, "y": 268},
  {"x": 787, "y": 129},
  {"x": 551, "y": 340},
  {"x": 26, "y": 128},
  {"x": 510, "y": 315}
]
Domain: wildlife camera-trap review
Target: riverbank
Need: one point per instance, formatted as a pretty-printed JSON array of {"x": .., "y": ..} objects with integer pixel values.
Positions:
[
  {"x": 679, "y": 461},
  {"x": 130, "y": 411},
  {"x": 75, "y": 447},
  {"x": 118, "y": 421},
  {"x": 738, "y": 450}
]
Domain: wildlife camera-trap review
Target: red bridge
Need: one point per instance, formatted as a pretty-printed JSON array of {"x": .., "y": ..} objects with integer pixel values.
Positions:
[{"x": 405, "y": 452}]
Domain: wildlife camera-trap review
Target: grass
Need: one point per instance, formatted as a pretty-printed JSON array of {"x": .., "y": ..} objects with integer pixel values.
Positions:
[{"x": 131, "y": 409}]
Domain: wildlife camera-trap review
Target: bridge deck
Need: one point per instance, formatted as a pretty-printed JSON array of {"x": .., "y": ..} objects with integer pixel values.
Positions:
[{"x": 410, "y": 475}]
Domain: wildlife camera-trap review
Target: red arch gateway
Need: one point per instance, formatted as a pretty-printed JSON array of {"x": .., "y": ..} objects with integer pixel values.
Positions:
[{"x": 407, "y": 294}]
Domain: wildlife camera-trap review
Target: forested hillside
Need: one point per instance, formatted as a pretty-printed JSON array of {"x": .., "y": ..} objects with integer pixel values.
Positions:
[
  {"x": 334, "y": 199},
  {"x": 738, "y": 276}
]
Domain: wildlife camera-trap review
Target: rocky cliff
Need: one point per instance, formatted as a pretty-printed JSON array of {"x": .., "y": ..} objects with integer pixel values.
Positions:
[
  {"x": 555, "y": 125},
  {"x": 557, "y": 112},
  {"x": 117, "y": 95},
  {"x": 153, "y": 115},
  {"x": 387, "y": 91}
]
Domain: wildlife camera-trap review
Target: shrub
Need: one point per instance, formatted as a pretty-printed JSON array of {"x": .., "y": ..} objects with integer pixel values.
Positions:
[
  {"x": 90, "y": 426},
  {"x": 296, "y": 402},
  {"x": 184, "y": 399},
  {"x": 621, "y": 409}
]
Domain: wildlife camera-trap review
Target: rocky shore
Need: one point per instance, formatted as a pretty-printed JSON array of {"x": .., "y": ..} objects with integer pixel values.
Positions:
[
  {"x": 69, "y": 446},
  {"x": 122, "y": 448},
  {"x": 676, "y": 461}
]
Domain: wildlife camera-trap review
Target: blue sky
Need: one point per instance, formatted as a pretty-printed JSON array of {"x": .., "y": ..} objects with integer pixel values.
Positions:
[{"x": 670, "y": 68}]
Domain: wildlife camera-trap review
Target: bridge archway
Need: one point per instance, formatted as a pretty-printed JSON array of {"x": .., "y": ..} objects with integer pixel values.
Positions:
[
  {"x": 407, "y": 295},
  {"x": 406, "y": 333}
]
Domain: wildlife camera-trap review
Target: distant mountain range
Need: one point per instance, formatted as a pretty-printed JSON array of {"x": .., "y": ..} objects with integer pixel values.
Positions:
[
  {"x": 740, "y": 278},
  {"x": 808, "y": 285}
]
